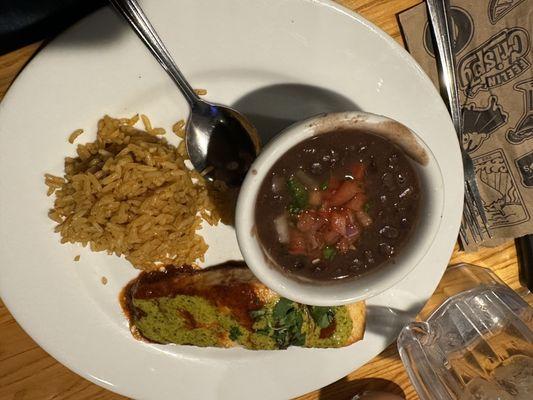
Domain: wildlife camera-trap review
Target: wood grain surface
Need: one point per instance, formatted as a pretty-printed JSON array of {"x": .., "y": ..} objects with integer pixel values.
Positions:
[{"x": 27, "y": 372}]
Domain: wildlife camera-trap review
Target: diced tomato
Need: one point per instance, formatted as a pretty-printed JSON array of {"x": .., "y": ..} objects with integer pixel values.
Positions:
[
  {"x": 356, "y": 203},
  {"x": 344, "y": 193},
  {"x": 305, "y": 222},
  {"x": 349, "y": 214},
  {"x": 334, "y": 183},
  {"x": 315, "y": 254},
  {"x": 318, "y": 237},
  {"x": 315, "y": 198},
  {"x": 296, "y": 242},
  {"x": 325, "y": 214},
  {"x": 330, "y": 237},
  {"x": 358, "y": 171},
  {"x": 338, "y": 223},
  {"x": 336, "y": 218},
  {"x": 311, "y": 241},
  {"x": 343, "y": 245},
  {"x": 309, "y": 221},
  {"x": 363, "y": 218}
]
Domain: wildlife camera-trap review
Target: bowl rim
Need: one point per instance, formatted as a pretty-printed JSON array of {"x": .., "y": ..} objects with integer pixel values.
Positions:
[{"x": 306, "y": 292}]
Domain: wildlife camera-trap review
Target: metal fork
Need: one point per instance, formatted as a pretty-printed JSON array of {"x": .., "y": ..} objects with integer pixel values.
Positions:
[{"x": 439, "y": 13}]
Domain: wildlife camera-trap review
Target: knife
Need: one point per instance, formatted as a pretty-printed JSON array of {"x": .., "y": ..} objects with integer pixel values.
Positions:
[{"x": 524, "y": 252}]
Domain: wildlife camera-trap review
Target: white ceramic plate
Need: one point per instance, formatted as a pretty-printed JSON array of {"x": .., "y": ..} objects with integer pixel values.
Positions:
[{"x": 276, "y": 60}]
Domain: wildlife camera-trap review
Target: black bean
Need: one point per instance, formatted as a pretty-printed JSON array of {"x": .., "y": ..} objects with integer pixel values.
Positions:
[
  {"x": 389, "y": 232},
  {"x": 369, "y": 256},
  {"x": 317, "y": 168},
  {"x": 388, "y": 181},
  {"x": 401, "y": 178},
  {"x": 386, "y": 249}
]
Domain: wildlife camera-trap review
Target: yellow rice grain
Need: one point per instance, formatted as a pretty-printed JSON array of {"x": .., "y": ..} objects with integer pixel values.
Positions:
[
  {"x": 179, "y": 128},
  {"x": 182, "y": 149},
  {"x": 129, "y": 193},
  {"x": 72, "y": 137},
  {"x": 146, "y": 122},
  {"x": 157, "y": 131}
]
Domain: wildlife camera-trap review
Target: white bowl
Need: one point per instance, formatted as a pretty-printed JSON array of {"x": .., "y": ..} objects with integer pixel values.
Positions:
[{"x": 369, "y": 285}]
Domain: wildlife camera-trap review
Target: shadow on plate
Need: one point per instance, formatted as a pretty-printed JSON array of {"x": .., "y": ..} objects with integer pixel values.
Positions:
[
  {"x": 346, "y": 390},
  {"x": 273, "y": 108},
  {"x": 110, "y": 28},
  {"x": 387, "y": 321}
]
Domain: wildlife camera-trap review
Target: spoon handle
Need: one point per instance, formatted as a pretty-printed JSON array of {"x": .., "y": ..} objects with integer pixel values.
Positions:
[
  {"x": 439, "y": 13},
  {"x": 135, "y": 16}
]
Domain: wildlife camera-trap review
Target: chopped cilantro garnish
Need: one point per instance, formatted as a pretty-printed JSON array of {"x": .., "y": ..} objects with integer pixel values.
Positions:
[
  {"x": 322, "y": 315},
  {"x": 282, "y": 307},
  {"x": 234, "y": 333},
  {"x": 367, "y": 207},
  {"x": 287, "y": 324},
  {"x": 257, "y": 313},
  {"x": 329, "y": 252},
  {"x": 324, "y": 186},
  {"x": 283, "y": 323},
  {"x": 299, "y": 196}
]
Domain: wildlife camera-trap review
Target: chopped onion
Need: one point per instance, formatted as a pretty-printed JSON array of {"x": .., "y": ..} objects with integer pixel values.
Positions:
[
  {"x": 352, "y": 231},
  {"x": 306, "y": 180},
  {"x": 282, "y": 228},
  {"x": 315, "y": 198},
  {"x": 277, "y": 184},
  {"x": 363, "y": 218}
]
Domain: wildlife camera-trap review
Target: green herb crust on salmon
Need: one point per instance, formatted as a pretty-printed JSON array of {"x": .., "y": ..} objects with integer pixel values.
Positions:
[{"x": 227, "y": 306}]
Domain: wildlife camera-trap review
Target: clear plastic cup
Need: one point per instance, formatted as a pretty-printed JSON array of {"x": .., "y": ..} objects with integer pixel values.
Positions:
[{"x": 477, "y": 345}]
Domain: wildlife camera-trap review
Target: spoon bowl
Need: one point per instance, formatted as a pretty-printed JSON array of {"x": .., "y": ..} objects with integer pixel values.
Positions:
[{"x": 221, "y": 142}]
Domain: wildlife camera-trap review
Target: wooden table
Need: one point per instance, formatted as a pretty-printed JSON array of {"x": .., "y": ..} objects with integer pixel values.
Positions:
[{"x": 28, "y": 372}]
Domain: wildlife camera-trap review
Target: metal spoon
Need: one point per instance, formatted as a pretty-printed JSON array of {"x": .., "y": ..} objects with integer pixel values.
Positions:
[{"x": 220, "y": 142}]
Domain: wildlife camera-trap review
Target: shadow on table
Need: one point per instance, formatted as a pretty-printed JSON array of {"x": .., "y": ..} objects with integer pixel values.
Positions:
[
  {"x": 386, "y": 322},
  {"x": 391, "y": 353},
  {"x": 346, "y": 390},
  {"x": 275, "y": 107}
]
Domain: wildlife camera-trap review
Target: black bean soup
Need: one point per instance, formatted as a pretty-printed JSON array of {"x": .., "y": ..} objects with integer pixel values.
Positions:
[{"x": 337, "y": 205}]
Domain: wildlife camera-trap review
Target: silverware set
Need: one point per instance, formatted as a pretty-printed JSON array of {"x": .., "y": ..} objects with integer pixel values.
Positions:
[{"x": 474, "y": 225}]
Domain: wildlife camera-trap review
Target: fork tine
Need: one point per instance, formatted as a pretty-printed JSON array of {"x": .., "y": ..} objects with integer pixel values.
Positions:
[
  {"x": 472, "y": 190},
  {"x": 467, "y": 234},
  {"x": 463, "y": 233},
  {"x": 471, "y": 215},
  {"x": 474, "y": 227},
  {"x": 463, "y": 230},
  {"x": 467, "y": 225},
  {"x": 479, "y": 205}
]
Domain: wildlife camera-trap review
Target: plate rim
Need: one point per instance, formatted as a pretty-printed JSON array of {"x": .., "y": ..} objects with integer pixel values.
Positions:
[{"x": 28, "y": 68}]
